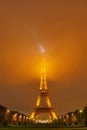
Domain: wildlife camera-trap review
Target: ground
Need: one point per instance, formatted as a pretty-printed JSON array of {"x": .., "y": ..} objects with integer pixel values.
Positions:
[{"x": 85, "y": 128}]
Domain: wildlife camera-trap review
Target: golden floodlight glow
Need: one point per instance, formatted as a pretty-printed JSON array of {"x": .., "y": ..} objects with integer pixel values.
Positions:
[
  {"x": 38, "y": 101},
  {"x": 43, "y": 75},
  {"x": 43, "y": 105}
]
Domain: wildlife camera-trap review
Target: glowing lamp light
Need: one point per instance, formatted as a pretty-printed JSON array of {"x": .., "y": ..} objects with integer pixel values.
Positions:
[
  {"x": 27, "y": 118},
  {"x": 81, "y": 111},
  {"x": 20, "y": 116},
  {"x": 8, "y": 111},
  {"x": 60, "y": 117},
  {"x": 15, "y": 114}
]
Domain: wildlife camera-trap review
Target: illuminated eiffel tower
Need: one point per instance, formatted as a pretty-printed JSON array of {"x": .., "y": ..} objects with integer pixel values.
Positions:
[{"x": 43, "y": 111}]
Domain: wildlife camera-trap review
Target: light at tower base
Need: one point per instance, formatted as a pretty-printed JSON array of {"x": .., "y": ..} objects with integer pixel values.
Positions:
[{"x": 43, "y": 111}]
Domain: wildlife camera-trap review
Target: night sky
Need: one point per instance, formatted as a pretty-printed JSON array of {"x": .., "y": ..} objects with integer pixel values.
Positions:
[{"x": 60, "y": 27}]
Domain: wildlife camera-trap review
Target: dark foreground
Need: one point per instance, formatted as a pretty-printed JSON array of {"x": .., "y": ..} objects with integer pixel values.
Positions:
[{"x": 83, "y": 128}]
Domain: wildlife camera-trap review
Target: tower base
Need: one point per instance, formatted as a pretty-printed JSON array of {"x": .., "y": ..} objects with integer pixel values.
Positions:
[{"x": 43, "y": 115}]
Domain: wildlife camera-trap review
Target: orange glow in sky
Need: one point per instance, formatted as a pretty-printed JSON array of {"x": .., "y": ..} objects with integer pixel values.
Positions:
[{"x": 57, "y": 28}]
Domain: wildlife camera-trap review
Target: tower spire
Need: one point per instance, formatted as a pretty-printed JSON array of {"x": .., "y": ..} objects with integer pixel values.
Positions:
[{"x": 43, "y": 82}]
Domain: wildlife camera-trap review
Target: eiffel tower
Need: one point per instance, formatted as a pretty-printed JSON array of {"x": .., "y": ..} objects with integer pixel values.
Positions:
[{"x": 43, "y": 111}]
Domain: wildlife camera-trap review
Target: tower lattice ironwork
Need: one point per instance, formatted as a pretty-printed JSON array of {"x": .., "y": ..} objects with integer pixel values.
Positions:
[{"x": 43, "y": 111}]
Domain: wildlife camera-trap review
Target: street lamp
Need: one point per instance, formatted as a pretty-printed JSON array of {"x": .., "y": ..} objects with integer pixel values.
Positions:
[
  {"x": 15, "y": 117},
  {"x": 24, "y": 119},
  {"x": 27, "y": 118},
  {"x": 6, "y": 115},
  {"x": 8, "y": 111},
  {"x": 60, "y": 117},
  {"x": 81, "y": 112}
]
